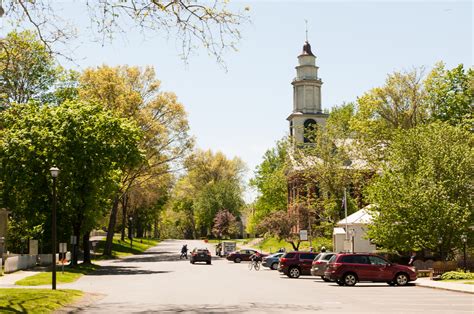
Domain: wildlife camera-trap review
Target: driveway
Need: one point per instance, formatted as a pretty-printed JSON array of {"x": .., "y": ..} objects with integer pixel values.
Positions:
[{"x": 158, "y": 281}]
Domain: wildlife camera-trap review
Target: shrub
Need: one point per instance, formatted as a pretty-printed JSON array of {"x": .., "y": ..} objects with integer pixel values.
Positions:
[{"x": 457, "y": 275}]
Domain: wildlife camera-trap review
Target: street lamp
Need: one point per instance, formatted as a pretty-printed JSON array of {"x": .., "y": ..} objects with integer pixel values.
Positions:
[
  {"x": 464, "y": 241},
  {"x": 54, "y": 173},
  {"x": 353, "y": 233}
]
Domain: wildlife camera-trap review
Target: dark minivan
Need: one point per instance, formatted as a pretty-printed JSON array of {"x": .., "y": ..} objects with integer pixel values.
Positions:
[
  {"x": 349, "y": 268},
  {"x": 295, "y": 264}
]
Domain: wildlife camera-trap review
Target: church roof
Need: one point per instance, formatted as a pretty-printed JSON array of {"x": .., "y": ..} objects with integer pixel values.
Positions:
[
  {"x": 361, "y": 217},
  {"x": 307, "y": 49}
]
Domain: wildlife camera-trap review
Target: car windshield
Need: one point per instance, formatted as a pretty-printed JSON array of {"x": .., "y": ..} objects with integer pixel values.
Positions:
[{"x": 317, "y": 257}]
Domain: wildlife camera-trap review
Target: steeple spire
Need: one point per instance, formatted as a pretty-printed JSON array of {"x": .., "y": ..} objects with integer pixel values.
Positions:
[{"x": 306, "y": 21}]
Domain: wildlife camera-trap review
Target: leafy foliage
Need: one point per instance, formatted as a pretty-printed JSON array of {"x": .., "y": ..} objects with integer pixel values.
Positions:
[
  {"x": 270, "y": 182},
  {"x": 88, "y": 143},
  {"x": 457, "y": 275},
  {"x": 27, "y": 70},
  {"x": 225, "y": 224},
  {"x": 281, "y": 224},
  {"x": 424, "y": 195}
]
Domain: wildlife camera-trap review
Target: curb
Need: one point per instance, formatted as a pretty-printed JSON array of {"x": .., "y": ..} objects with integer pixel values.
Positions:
[{"x": 444, "y": 288}]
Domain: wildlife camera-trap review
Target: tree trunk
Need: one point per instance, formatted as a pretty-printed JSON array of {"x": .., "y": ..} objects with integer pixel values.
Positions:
[
  {"x": 124, "y": 216},
  {"x": 77, "y": 234},
  {"x": 87, "y": 249},
  {"x": 156, "y": 233},
  {"x": 111, "y": 229}
]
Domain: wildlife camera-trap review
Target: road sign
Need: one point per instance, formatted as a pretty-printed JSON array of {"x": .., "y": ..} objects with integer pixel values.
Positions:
[
  {"x": 62, "y": 247},
  {"x": 73, "y": 240},
  {"x": 304, "y": 235}
]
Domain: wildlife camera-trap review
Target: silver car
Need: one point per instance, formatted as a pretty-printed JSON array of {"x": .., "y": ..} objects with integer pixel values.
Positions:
[
  {"x": 319, "y": 264},
  {"x": 272, "y": 260}
]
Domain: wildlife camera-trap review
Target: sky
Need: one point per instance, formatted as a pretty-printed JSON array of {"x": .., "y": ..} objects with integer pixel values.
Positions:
[{"x": 242, "y": 111}]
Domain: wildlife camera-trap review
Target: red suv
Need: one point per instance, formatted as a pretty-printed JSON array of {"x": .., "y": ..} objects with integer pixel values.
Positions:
[
  {"x": 349, "y": 268},
  {"x": 295, "y": 264}
]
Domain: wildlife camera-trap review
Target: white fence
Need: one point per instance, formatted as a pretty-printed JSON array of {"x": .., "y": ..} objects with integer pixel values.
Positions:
[
  {"x": 19, "y": 262},
  {"x": 14, "y": 263}
]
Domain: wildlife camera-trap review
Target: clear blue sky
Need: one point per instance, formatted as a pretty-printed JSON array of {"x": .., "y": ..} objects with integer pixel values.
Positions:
[{"x": 243, "y": 112}]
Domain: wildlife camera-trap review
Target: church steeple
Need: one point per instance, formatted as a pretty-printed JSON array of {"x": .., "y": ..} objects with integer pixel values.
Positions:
[{"x": 307, "y": 112}]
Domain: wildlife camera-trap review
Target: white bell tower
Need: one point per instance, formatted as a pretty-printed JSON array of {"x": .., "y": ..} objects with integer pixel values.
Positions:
[{"x": 307, "y": 112}]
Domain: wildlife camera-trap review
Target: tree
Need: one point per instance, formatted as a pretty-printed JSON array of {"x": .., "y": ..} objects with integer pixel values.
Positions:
[
  {"x": 212, "y": 182},
  {"x": 270, "y": 182},
  {"x": 88, "y": 143},
  {"x": 282, "y": 225},
  {"x": 450, "y": 95},
  {"x": 27, "y": 70},
  {"x": 424, "y": 196},
  {"x": 134, "y": 93},
  {"x": 225, "y": 224},
  {"x": 384, "y": 111},
  {"x": 209, "y": 25},
  {"x": 327, "y": 166}
]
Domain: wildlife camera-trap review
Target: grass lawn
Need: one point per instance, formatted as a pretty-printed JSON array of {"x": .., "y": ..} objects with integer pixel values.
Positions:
[
  {"x": 239, "y": 241},
  {"x": 35, "y": 300},
  {"x": 272, "y": 245},
  {"x": 70, "y": 275},
  {"x": 122, "y": 248}
]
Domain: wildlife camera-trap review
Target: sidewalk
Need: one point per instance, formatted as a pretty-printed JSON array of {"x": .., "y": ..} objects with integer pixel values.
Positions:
[
  {"x": 8, "y": 280},
  {"x": 451, "y": 286}
]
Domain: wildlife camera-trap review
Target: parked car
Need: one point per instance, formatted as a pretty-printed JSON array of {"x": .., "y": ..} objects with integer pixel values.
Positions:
[
  {"x": 272, "y": 260},
  {"x": 200, "y": 255},
  {"x": 350, "y": 268},
  {"x": 319, "y": 264},
  {"x": 240, "y": 255},
  {"x": 295, "y": 264}
]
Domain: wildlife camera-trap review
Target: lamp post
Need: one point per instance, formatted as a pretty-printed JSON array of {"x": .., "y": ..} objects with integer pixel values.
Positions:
[
  {"x": 353, "y": 233},
  {"x": 54, "y": 173},
  {"x": 464, "y": 242}
]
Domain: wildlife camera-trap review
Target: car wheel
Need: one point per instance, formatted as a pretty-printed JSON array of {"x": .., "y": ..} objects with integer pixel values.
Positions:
[
  {"x": 349, "y": 279},
  {"x": 326, "y": 280},
  {"x": 401, "y": 279},
  {"x": 274, "y": 266},
  {"x": 237, "y": 260},
  {"x": 294, "y": 272},
  {"x": 192, "y": 262},
  {"x": 391, "y": 283},
  {"x": 340, "y": 282},
  {"x": 208, "y": 263}
]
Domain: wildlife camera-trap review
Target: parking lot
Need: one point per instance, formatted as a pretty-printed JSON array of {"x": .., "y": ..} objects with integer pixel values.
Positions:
[{"x": 160, "y": 282}]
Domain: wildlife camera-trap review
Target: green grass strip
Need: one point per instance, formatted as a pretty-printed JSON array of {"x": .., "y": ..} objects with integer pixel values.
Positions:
[
  {"x": 123, "y": 248},
  {"x": 35, "y": 300},
  {"x": 70, "y": 274}
]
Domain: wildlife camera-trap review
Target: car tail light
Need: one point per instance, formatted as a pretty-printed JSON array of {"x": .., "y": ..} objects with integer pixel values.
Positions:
[
  {"x": 317, "y": 262},
  {"x": 208, "y": 253},
  {"x": 282, "y": 260},
  {"x": 333, "y": 266}
]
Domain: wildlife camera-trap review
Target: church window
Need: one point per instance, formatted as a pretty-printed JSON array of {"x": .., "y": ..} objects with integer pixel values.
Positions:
[{"x": 309, "y": 130}]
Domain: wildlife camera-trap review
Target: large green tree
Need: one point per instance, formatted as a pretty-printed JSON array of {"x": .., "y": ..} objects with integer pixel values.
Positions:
[
  {"x": 270, "y": 181},
  {"x": 212, "y": 183},
  {"x": 424, "y": 196},
  {"x": 87, "y": 142},
  {"x": 27, "y": 70},
  {"x": 450, "y": 95}
]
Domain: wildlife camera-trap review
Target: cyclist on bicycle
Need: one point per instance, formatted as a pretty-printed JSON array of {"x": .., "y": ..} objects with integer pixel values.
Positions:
[
  {"x": 255, "y": 258},
  {"x": 184, "y": 252}
]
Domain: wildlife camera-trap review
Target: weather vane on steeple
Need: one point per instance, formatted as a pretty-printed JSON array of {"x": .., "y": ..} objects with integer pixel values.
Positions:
[{"x": 306, "y": 21}]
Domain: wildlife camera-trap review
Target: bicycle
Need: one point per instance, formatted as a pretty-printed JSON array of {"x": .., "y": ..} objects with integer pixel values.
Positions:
[{"x": 255, "y": 264}]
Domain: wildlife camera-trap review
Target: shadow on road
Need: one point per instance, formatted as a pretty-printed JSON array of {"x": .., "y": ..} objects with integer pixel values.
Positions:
[
  {"x": 121, "y": 270},
  {"x": 212, "y": 308},
  {"x": 152, "y": 257}
]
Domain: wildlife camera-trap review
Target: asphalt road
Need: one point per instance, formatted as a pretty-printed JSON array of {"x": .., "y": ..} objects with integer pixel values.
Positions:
[{"x": 159, "y": 282}]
